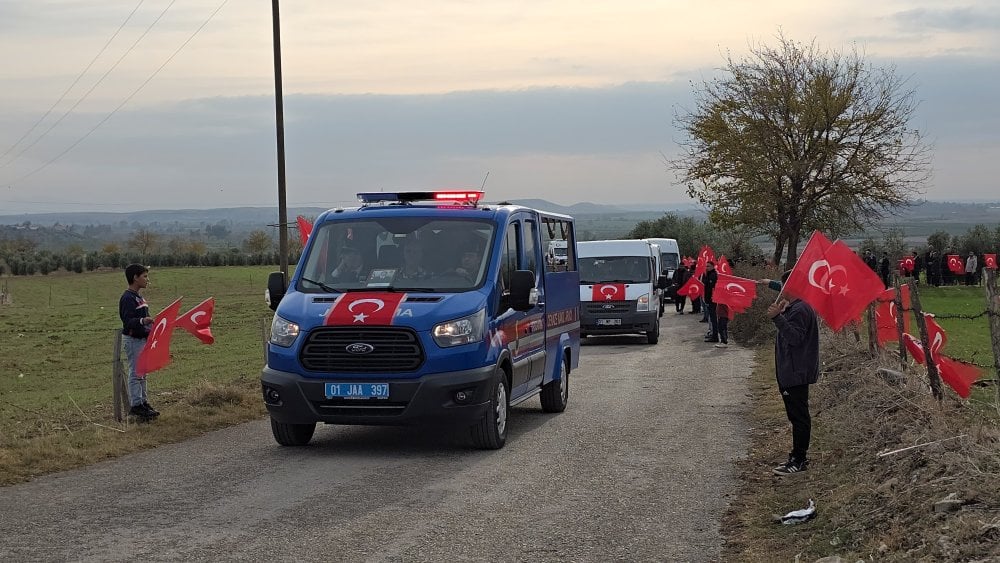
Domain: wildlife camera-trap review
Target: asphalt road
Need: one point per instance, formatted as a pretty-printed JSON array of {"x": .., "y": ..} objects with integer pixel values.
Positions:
[{"x": 639, "y": 468}]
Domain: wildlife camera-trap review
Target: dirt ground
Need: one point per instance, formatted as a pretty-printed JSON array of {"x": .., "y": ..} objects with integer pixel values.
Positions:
[{"x": 871, "y": 506}]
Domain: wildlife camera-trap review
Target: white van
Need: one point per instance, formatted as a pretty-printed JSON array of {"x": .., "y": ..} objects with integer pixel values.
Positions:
[
  {"x": 557, "y": 252},
  {"x": 670, "y": 258},
  {"x": 620, "y": 287}
]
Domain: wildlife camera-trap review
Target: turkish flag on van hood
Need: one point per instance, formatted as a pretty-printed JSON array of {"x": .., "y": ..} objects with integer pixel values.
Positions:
[
  {"x": 608, "y": 292},
  {"x": 156, "y": 353},
  {"x": 365, "y": 308}
]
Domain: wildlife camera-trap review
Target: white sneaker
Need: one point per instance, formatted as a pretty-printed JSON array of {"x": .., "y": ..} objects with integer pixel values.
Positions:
[{"x": 722, "y": 345}]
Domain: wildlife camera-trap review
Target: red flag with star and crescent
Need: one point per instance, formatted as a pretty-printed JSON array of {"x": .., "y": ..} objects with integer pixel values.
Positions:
[
  {"x": 156, "y": 353},
  {"x": 198, "y": 321},
  {"x": 834, "y": 280},
  {"x": 723, "y": 266},
  {"x": 990, "y": 261},
  {"x": 886, "y": 314},
  {"x": 692, "y": 288},
  {"x": 736, "y": 292},
  {"x": 365, "y": 308},
  {"x": 707, "y": 253},
  {"x": 305, "y": 229},
  {"x": 699, "y": 267},
  {"x": 958, "y": 375},
  {"x": 608, "y": 292},
  {"x": 955, "y": 264}
]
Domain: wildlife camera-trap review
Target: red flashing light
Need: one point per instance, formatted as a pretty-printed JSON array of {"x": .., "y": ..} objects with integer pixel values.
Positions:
[{"x": 463, "y": 196}]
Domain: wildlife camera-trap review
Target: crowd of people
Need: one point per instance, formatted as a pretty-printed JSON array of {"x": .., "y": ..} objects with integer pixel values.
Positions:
[{"x": 930, "y": 267}]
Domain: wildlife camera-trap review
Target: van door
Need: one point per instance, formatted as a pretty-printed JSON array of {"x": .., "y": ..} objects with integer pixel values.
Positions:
[
  {"x": 534, "y": 337},
  {"x": 513, "y": 323}
]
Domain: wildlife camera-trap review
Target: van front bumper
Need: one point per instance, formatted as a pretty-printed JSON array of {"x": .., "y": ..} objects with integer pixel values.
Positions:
[
  {"x": 631, "y": 322},
  {"x": 293, "y": 399}
]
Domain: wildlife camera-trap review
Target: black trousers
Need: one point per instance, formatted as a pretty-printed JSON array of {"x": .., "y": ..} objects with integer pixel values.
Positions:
[
  {"x": 797, "y": 408},
  {"x": 713, "y": 322},
  {"x": 679, "y": 302}
]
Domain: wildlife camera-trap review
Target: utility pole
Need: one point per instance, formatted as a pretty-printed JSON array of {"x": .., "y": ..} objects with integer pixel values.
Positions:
[{"x": 279, "y": 121}]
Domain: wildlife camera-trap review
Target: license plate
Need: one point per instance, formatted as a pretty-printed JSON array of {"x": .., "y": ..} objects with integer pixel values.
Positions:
[
  {"x": 609, "y": 322},
  {"x": 357, "y": 390}
]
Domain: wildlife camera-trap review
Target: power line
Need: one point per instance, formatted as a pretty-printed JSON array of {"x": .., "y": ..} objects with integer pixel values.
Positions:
[
  {"x": 94, "y": 87},
  {"x": 127, "y": 99},
  {"x": 71, "y": 86}
]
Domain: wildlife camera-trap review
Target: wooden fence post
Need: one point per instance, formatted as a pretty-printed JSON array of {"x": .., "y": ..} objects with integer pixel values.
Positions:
[
  {"x": 993, "y": 314},
  {"x": 900, "y": 317},
  {"x": 872, "y": 330},
  {"x": 933, "y": 377},
  {"x": 119, "y": 389}
]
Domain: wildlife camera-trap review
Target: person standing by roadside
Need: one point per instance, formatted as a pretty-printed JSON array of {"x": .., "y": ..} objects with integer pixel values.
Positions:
[
  {"x": 680, "y": 278},
  {"x": 134, "y": 313},
  {"x": 885, "y": 270},
  {"x": 709, "y": 280},
  {"x": 796, "y": 365},
  {"x": 971, "y": 264}
]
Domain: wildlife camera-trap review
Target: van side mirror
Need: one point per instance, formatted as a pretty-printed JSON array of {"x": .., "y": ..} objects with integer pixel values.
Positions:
[
  {"x": 522, "y": 282},
  {"x": 662, "y": 282},
  {"x": 275, "y": 289}
]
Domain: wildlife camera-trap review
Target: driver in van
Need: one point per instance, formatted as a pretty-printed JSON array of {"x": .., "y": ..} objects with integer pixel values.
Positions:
[{"x": 468, "y": 267}]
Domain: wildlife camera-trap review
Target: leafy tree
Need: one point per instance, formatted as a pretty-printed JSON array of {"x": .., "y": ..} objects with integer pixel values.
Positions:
[
  {"x": 258, "y": 242},
  {"x": 894, "y": 243},
  {"x": 792, "y": 139},
  {"x": 144, "y": 241},
  {"x": 111, "y": 248},
  {"x": 939, "y": 240}
]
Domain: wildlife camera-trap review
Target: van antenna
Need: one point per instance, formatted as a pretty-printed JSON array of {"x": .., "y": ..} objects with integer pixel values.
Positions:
[{"x": 483, "y": 187}]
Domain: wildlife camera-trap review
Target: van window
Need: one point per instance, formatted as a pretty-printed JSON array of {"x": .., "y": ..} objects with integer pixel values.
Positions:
[
  {"x": 556, "y": 237},
  {"x": 531, "y": 250},
  {"x": 508, "y": 257},
  {"x": 615, "y": 269},
  {"x": 668, "y": 261}
]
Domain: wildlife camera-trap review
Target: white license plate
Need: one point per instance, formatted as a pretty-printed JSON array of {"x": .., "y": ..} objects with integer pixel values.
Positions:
[
  {"x": 609, "y": 322},
  {"x": 357, "y": 390}
]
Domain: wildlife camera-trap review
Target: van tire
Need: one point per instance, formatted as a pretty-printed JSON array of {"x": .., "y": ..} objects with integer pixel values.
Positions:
[
  {"x": 292, "y": 434},
  {"x": 555, "y": 394},
  {"x": 490, "y": 433},
  {"x": 653, "y": 336}
]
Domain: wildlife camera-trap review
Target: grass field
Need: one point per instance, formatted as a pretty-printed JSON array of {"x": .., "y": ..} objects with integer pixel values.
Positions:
[{"x": 57, "y": 339}]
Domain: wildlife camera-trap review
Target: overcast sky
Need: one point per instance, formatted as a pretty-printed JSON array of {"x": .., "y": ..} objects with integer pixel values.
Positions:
[{"x": 564, "y": 100}]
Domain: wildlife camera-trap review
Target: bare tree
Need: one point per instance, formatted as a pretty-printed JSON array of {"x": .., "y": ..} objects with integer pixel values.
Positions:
[
  {"x": 792, "y": 139},
  {"x": 258, "y": 242},
  {"x": 144, "y": 241}
]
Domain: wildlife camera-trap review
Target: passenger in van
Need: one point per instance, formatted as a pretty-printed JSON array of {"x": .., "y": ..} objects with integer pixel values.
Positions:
[
  {"x": 413, "y": 260},
  {"x": 468, "y": 267},
  {"x": 351, "y": 266}
]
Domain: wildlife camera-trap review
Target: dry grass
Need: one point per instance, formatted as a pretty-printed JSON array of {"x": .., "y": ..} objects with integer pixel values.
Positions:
[{"x": 870, "y": 506}]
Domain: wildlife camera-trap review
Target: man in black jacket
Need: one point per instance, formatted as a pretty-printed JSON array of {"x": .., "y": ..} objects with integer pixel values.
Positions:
[
  {"x": 709, "y": 280},
  {"x": 796, "y": 363},
  {"x": 680, "y": 278}
]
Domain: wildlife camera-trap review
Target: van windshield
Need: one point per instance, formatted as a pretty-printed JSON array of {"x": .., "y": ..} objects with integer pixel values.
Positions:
[
  {"x": 669, "y": 260},
  {"x": 615, "y": 269},
  {"x": 426, "y": 254}
]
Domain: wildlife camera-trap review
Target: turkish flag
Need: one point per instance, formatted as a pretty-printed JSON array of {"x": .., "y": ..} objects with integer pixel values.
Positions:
[
  {"x": 198, "y": 321},
  {"x": 885, "y": 321},
  {"x": 608, "y": 292},
  {"x": 699, "y": 267},
  {"x": 707, "y": 254},
  {"x": 738, "y": 293},
  {"x": 693, "y": 288},
  {"x": 990, "y": 261},
  {"x": 914, "y": 347},
  {"x": 722, "y": 265},
  {"x": 305, "y": 229},
  {"x": 908, "y": 264},
  {"x": 156, "y": 353},
  {"x": 936, "y": 336},
  {"x": 687, "y": 261},
  {"x": 955, "y": 264},
  {"x": 958, "y": 375},
  {"x": 834, "y": 280},
  {"x": 366, "y": 308}
]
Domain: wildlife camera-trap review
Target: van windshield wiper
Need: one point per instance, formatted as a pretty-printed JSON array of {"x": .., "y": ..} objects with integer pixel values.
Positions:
[{"x": 321, "y": 285}]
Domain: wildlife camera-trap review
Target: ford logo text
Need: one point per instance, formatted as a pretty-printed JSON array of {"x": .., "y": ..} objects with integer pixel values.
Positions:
[{"x": 359, "y": 348}]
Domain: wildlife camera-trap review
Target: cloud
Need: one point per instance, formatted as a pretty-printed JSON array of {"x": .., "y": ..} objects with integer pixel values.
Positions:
[{"x": 949, "y": 19}]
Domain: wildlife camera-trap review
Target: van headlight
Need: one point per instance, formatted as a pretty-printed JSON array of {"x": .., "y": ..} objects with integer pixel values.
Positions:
[
  {"x": 643, "y": 303},
  {"x": 465, "y": 330},
  {"x": 283, "y": 332}
]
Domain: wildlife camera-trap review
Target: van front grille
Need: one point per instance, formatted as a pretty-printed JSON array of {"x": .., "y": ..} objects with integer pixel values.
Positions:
[{"x": 375, "y": 350}]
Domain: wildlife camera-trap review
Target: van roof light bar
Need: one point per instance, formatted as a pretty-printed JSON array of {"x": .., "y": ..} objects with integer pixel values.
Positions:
[{"x": 467, "y": 197}]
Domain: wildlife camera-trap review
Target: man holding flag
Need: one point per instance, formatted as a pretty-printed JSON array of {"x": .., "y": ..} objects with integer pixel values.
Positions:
[{"x": 796, "y": 364}]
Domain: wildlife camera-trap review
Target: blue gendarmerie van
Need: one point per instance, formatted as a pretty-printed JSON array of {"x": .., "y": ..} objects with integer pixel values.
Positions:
[{"x": 419, "y": 308}]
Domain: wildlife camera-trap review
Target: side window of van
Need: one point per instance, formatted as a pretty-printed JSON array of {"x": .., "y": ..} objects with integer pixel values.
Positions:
[
  {"x": 531, "y": 249},
  {"x": 508, "y": 258},
  {"x": 557, "y": 237}
]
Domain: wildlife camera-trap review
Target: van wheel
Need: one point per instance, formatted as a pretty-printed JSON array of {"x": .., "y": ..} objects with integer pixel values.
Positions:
[
  {"x": 292, "y": 434},
  {"x": 653, "y": 336},
  {"x": 555, "y": 394},
  {"x": 491, "y": 432}
]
